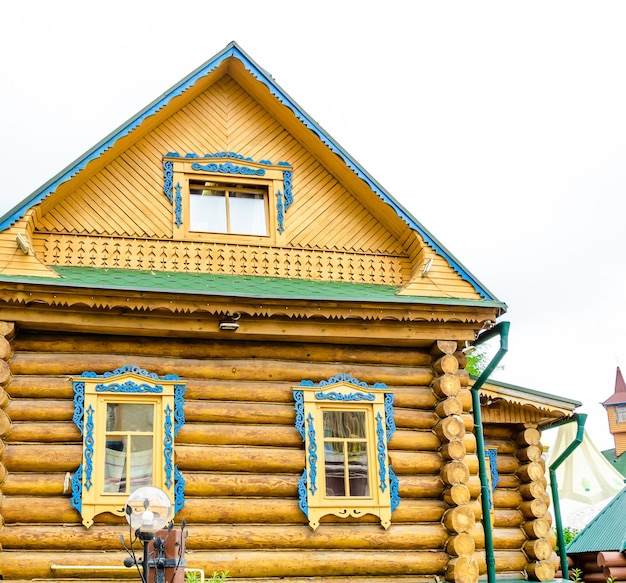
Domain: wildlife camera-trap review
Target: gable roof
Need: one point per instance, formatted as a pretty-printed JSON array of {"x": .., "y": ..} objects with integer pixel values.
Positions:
[
  {"x": 187, "y": 85},
  {"x": 606, "y": 532}
]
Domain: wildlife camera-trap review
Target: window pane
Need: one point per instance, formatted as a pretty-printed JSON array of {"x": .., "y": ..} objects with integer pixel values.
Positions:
[
  {"x": 115, "y": 468},
  {"x": 344, "y": 424},
  {"x": 247, "y": 213},
  {"x": 345, "y": 453},
  {"x": 357, "y": 469},
  {"x": 129, "y": 446},
  {"x": 130, "y": 417},
  {"x": 207, "y": 210},
  {"x": 140, "y": 462}
]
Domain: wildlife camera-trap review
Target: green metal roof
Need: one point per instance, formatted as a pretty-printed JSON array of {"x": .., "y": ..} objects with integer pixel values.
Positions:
[
  {"x": 619, "y": 463},
  {"x": 606, "y": 532},
  {"x": 243, "y": 286}
]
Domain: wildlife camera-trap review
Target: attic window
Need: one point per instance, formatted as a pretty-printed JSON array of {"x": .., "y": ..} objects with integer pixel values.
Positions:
[
  {"x": 225, "y": 195},
  {"x": 216, "y": 207}
]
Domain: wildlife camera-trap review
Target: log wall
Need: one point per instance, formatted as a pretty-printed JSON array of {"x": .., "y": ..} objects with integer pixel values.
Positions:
[
  {"x": 239, "y": 452},
  {"x": 241, "y": 457},
  {"x": 521, "y": 521}
]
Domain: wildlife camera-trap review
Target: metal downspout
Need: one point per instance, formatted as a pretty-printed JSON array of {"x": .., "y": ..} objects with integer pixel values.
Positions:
[
  {"x": 502, "y": 330},
  {"x": 581, "y": 418}
]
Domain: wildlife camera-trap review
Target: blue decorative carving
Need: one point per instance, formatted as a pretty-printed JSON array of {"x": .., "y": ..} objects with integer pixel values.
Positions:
[
  {"x": 492, "y": 454},
  {"x": 89, "y": 443},
  {"x": 303, "y": 501},
  {"x": 128, "y": 387},
  {"x": 130, "y": 368},
  {"x": 83, "y": 475},
  {"x": 77, "y": 489},
  {"x": 168, "y": 178},
  {"x": 393, "y": 489},
  {"x": 342, "y": 378},
  {"x": 287, "y": 175},
  {"x": 233, "y": 155},
  {"x": 298, "y": 397},
  {"x": 179, "y": 407},
  {"x": 335, "y": 396},
  {"x": 381, "y": 448},
  {"x": 168, "y": 447},
  {"x": 390, "y": 421},
  {"x": 79, "y": 405},
  {"x": 279, "y": 211},
  {"x": 228, "y": 168},
  {"x": 312, "y": 455},
  {"x": 178, "y": 208},
  {"x": 179, "y": 490}
]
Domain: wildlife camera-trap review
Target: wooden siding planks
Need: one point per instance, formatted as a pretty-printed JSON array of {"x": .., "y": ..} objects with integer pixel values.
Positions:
[{"x": 126, "y": 198}]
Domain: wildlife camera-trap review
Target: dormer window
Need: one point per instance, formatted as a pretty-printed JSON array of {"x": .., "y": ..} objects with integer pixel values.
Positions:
[{"x": 221, "y": 207}]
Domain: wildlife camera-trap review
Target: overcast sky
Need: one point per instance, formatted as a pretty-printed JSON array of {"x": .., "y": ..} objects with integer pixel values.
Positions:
[{"x": 501, "y": 126}]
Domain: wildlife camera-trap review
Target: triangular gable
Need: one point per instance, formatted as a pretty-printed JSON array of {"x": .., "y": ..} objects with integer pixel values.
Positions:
[{"x": 187, "y": 85}]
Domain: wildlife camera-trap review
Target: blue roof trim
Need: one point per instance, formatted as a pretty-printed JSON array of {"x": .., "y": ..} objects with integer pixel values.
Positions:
[{"x": 233, "y": 50}]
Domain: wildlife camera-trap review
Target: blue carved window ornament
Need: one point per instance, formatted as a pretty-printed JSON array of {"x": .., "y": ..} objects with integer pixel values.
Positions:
[
  {"x": 227, "y": 164},
  {"x": 95, "y": 396},
  {"x": 494, "y": 477},
  {"x": 347, "y": 472}
]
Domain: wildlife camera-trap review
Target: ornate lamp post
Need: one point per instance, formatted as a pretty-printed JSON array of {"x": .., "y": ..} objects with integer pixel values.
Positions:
[{"x": 148, "y": 511}]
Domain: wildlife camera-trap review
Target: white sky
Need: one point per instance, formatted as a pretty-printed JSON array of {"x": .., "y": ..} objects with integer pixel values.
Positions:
[{"x": 499, "y": 125}]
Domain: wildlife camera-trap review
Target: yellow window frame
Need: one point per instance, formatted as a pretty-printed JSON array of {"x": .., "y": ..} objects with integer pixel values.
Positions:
[
  {"x": 227, "y": 168},
  {"x": 346, "y": 394},
  {"x": 127, "y": 385}
]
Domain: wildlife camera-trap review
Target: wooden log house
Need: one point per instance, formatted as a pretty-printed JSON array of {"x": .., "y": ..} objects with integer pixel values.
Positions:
[{"x": 217, "y": 299}]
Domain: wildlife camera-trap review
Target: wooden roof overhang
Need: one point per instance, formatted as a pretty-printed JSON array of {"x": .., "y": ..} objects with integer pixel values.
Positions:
[
  {"x": 318, "y": 317},
  {"x": 507, "y": 403}
]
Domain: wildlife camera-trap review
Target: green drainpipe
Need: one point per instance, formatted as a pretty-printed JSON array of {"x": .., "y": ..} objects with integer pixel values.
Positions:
[
  {"x": 502, "y": 330},
  {"x": 581, "y": 418}
]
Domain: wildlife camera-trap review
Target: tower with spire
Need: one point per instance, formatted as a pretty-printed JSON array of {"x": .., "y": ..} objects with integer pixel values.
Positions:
[{"x": 615, "y": 407}]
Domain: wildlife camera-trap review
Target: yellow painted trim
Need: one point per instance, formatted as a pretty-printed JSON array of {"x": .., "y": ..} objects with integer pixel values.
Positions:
[
  {"x": 378, "y": 502},
  {"x": 94, "y": 499}
]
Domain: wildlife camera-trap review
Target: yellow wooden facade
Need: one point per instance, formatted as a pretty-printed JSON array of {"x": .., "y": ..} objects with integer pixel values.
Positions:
[{"x": 107, "y": 272}]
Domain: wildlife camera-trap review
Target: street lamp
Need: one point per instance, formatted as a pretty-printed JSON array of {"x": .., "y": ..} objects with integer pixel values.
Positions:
[{"x": 148, "y": 511}]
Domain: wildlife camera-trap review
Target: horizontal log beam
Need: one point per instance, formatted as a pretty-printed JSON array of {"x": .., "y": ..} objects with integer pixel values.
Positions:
[
  {"x": 238, "y": 563},
  {"x": 210, "y": 349},
  {"x": 408, "y": 537},
  {"x": 363, "y": 332},
  {"x": 44, "y": 432},
  {"x": 240, "y": 459},
  {"x": 225, "y": 369},
  {"x": 42, "y": 458}
]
